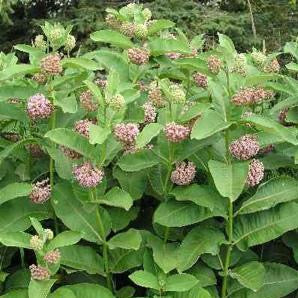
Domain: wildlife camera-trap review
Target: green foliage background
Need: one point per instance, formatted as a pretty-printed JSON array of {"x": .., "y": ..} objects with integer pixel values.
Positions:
[{"x": 276, "y": 21}]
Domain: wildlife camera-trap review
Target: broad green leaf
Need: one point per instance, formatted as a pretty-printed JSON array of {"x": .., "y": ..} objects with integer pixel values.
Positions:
[
  {"x": 201, "y": 195},
  {"x": 17, "y": 70},
  {"x": 195, "y": 292},
  {"x": 122, "y": 260},
  {"x": 159, "y": 46},
  {"x": 180, "y": 282},
  {"x": 196, "y": 110},
  {"x": 198, "y": 241},
  {"x": 112, "y": 37},
  {"x": 14, "y": 190},
  {"x": 291, "y": 48},
  {"x": 291, "y": 240},
  {"x": 165, "y": 255},
  {"x": 75, "y": 214},
  {"x": 21, "y": 293},
  {"x": 37, "y": 226},
  {"x": 251, "y": 275},
  {"x": 67, "y": 104},
  {"x": 112, "y": 60},
  {"x": 97, "y": 134},
  {"x": 204, "y": 274},
  {"x": 117, "y": 197},
  {"x": 132, "y": 182},
  {"x": 127, "y": 240},
  {"x": 10, "y": 111},
  {"x": 292, "y": 66},
  {"x": 227, "y": 44},
  {"x": 145, "y": 279},
  {"x": 159, "y": 25},
  {"x": 229, "y": 179},
  {"x": 65, "y": 238},
  {"x": 138, "y": 161},
  {"x": 15, "y": 215},
  {"x": 40, "y": 288},
  {"x": 147, "y": 134},
  {"x": 80, "y": 63},
  {"x": 121, "y": 218},
  {"x": 82, "y": 258},
  {"x": 220, "y": 99},
  {"x": 210, "y": 123},
  {"x": 275, "y": 191},
  {"x": 280, "y": 280},
  {"x": 179, "y": 214},
  {"x": 15, "y": 239},
  {"x": 82, "y": 290},
  {"x": 72, "y": 140},
  {"x": 269, "y": 125},
  {"x": 257, "y": 228},
  {"x": 7, "y": 92}
]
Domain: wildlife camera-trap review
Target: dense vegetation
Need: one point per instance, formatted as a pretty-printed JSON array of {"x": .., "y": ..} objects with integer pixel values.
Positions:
[{"x": 155, "y": 164}]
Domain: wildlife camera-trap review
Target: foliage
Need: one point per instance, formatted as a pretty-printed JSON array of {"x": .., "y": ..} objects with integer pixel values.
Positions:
[{"x": 144, "y": 168}]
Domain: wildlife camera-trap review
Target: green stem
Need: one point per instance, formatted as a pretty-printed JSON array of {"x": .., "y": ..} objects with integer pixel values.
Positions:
[
  {"x": 104, "y": 244},
  {"x": 166, "y": 236},
  {"x": 229, "y": 251}
]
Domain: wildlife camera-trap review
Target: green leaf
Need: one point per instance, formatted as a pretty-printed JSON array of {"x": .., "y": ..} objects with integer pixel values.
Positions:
[
  {"x": 291, "y": 240},
  {"x": 227, "y": 44},
  {"x": 257, "y": 228},
  {"x": 204, "y": 274},
  {"x": 15, "y": 215},
  {"x": 96, "y": 92},
  {"x": 117, "y": 197},
  {"x": 127, "y": 240},
  {"x": 275, "y": 191},
  {"x": 10, "y": 111},
  {"x": 65, "y": 238},
  {"x": 15, "y": 239},
  {"x": 251, "y": 275},
  {"x": 198, "y": 241},
  {"x": 180, "y": 282},
  {"x": 195, "y": 292},
  {"x": 82, "y": 258},
  {"x": 37, "y": 226},
  {"x": 138, "y": 161},
  {"x": 179, "y": 214},
  {"x": 72, "y": 140},
  {"x": 74, "y": 213},
  {"x": 201, "y": 195},
  {"x": 291, "y": 48},
  {"x": 148, "y": 133},
  {"x": 112, "y": 37},
  {"x": 14, "y": 190},
  {"x": 7, "y": 92},
  {"x": 159, "y": 25},
  {"x": 67, "y": 104},
  {"x": 292, "y": 66},
  {"x": 97, "y": 134},
  {"x": 121, "y": 218},
  {"x": 159, "y": 46},
  {"x": 22, "y": 293},
  {"x": 145, "y": 279},
  {"x": 19, "y": 69},
  {"x": 82, "y": 290},
  {"x": 229, "y": 179},
  {"x": 40, "y": 288},
  {"x": 80, "y": 63},
  {"x": 165, "y": 255},
  {"x": 210, "y": 123}
]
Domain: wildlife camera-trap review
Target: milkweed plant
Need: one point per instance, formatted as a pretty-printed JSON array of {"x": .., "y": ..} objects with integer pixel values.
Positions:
[{"x": 149, "y": 167}]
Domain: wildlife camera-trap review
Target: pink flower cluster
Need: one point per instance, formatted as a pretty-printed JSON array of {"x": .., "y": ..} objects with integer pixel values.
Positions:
[
  {"x": 138, "y": 56},
  {"x": 71, "y": 154},
  {"x": 87, "y": 175},
  {"x": 255, "y": 173},
  {"x": 39, "y": 107},
  {"x": 184, "y": 173},
  {"x": 245, "y": 147},
  {"x": 40, "y": 78},
  {"x": 39, "y": 272},
  {"x": 126, "y": 133},
  {"x": 52, "y": 257},
  {"x": 176, "y": 133},
  {"x": 155, "y": 95},
  {"x": 41, "y": 192},
  {"x": 51, "y": 64},
  {"x": 149, "y": 112},
  {"x": 200, "y": 79},
  {"x": 87, "y": 101},
  {"x": 214, "y": 64},
  {"x": 251, "y": 95},
  {"x": 82, "y": 127}
]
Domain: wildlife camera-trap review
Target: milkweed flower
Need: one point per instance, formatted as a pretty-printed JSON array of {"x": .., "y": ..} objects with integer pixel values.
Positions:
[
  {"x": 87, "y": 101},
  {"x": 41, "y": 192},
  {"x": 36, "y": 243},
  {"x": 39, "y": 272},
  {"x": 149, "y": 112},
  {"x": 176, "y": 133},
  {"x": 184, "y": 173},
  {"x": 138, "y": 56},
  {"x": 87, "y": 175},
  {"x": 214, "y": 64},
  {"x": 255, "y": 173},
  {"x": 51, "y": 64},
  {"x": 126, "y": 133},
  {"x": 82, "y": 127},
  {"x": 200, "y": 79},
  {"x": 245, "y": 147},
  {"x": 39, "y": 107},
  {"x": 52, "y": 257}
]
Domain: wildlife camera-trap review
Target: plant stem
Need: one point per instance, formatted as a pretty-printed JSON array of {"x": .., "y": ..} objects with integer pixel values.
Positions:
[
  {"x": 229, "y": 251},
  {"x": 104, "y": 244}
]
